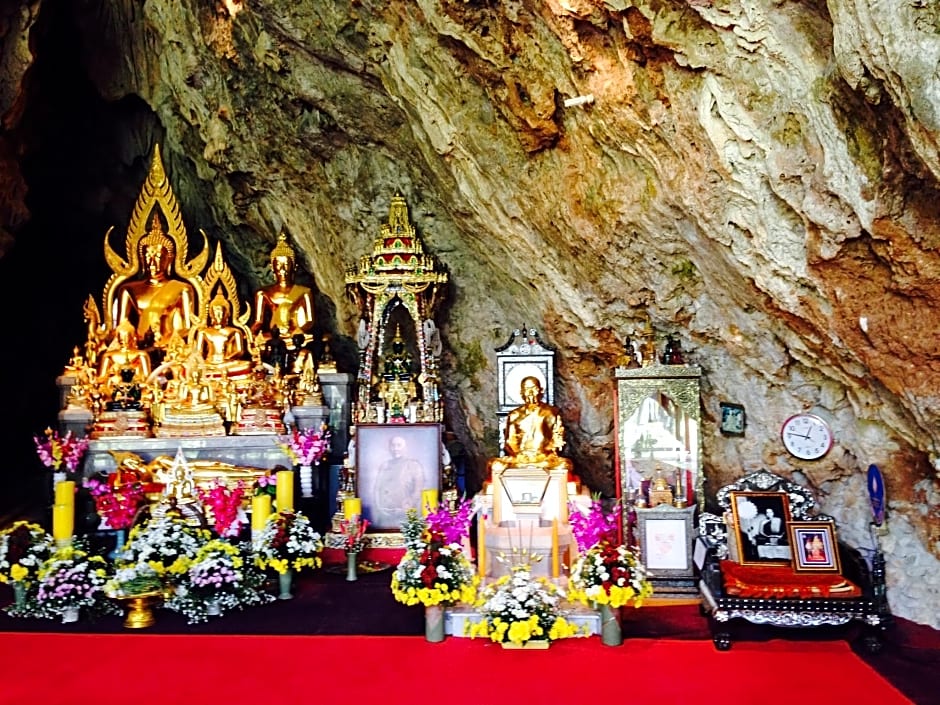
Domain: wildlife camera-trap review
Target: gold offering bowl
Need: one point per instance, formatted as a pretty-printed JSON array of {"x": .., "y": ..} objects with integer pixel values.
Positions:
[{"x": 140, "y": 608}]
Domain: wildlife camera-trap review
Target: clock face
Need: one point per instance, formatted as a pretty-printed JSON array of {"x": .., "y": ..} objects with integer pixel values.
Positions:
[{"x": 806, "y": 436}]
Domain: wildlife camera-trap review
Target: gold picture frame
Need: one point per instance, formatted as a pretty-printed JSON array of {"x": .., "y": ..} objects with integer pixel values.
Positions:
[{"x": 760, "y": 521}]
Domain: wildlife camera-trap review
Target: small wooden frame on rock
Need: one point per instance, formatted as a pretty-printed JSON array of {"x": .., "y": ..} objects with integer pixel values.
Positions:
[{"x": 733, "y": 419}]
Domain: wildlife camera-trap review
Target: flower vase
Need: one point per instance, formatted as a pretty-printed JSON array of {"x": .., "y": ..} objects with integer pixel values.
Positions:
[
  {"x": 284, "y": 581},
  {"x": 213, "y": 608},
  {"x": 119, "y": 538},
  {"x": 70, "y": 615},
  {"x": 306, "y": 481},
  {"x": 351, "y": 566},
  {"x": 611, "y": 629},
  {"x": 434, "y": 623},
  {"x": 19, "y": 594}
]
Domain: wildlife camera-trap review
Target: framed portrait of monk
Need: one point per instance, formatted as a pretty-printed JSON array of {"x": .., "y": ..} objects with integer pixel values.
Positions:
[
  {"x": 394, "y": 464},
  {"x": 761, "y": 520}
]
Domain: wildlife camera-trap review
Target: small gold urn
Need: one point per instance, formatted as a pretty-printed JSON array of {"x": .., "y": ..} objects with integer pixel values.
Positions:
[{"x": 140, "y": 609}]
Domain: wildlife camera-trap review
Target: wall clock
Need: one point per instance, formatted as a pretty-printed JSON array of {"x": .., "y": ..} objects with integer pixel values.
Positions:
[{"x": 806, "y": 436}]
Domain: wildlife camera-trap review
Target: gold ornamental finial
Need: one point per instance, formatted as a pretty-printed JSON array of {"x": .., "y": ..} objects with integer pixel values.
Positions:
[
  {"x": 283, "y": 249},
  {"x": 156, "y": 237}
]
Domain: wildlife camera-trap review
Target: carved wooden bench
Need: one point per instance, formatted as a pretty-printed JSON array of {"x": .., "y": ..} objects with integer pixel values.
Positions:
[{"x": 722, "y": 606}]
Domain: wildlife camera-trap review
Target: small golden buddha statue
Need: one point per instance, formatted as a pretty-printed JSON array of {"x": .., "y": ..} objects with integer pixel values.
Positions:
[
  {"x": 123, "y": 354},
  {"x": 534, "y": 434},
  {"x": 156, "y": 303},
  {"x": 326, "y": 362},
  {"x": 307, "y": 391},
  {"x": 222, "y": 345},
  {"x": 283, "y": 305}
]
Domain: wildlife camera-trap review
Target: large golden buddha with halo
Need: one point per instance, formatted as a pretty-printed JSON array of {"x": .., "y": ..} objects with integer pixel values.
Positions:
[
  {"x": 158, "y": 288},
  {"x": 284, "y": 304},
  {"x": 156, "y": 303}
]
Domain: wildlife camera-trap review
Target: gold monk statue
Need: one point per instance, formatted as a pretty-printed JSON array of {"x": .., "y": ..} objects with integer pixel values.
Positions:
[
  {"x": 156, "y": 304},
  {"x": 222, "y": 345},
  {"x": 534, "y": 434},
  {"x": 283, "y": 305}
]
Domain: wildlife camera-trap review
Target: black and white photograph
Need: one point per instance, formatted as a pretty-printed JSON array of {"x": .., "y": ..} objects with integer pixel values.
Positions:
[{"x": 762, "y": 519}]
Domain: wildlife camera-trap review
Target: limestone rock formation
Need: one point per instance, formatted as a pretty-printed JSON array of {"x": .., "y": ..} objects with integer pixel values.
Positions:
[{"x": 760, "y": 177}]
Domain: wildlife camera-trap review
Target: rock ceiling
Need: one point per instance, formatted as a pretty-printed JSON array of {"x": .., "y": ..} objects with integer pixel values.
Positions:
[{"x": 759, "y": 177}]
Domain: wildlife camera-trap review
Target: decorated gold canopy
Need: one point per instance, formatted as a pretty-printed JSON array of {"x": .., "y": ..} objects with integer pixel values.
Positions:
[{"x": 397, "y": 289}]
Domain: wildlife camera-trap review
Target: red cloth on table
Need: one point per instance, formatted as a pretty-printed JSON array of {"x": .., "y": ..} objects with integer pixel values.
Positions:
[{"x": 782, "y": 582}]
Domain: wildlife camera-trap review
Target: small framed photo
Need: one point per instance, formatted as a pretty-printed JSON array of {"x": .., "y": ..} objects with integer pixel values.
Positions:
[
  {"x": 733, "y": 419},
  {"x": 665, "y": 538},
  {"x": 394, "y": 464},
  {"x": 761, "y": 520},
  {"x": 814, "y": 547}
]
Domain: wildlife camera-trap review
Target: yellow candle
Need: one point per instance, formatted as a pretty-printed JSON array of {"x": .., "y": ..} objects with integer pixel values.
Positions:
[
  {"x": 65, "y": 492},
  {"x": 555, "y": 566},
  {"x": 260, "y": 510},
  {"x": 352, "y": 507},
  {"x": 428, "y": 501},
  {"x": 285, "y": 490},
  {"x": 481, "y": 544},
  {"x": 63, "y": 521}
]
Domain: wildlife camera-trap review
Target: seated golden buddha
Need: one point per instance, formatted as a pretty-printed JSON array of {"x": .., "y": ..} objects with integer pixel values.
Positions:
[
  {"x": 121, "y": 354},
  {"x": 284, "y": 305},
  {"x": 187, "y": 408},
  {"x": 534, "y": 434},
  {"x": 222, "y": 346},
  {"x": 155, "y": 303}
]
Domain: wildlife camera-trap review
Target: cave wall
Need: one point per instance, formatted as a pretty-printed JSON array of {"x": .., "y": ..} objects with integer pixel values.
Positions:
[{"x": 757, "y": 176}]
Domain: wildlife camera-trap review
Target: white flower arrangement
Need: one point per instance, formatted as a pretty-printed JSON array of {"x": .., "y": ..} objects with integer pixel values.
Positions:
[
  {"x": 72, "y": 578},
  {"x": 609, "y": 574},
  {"x": 432, "y": 571},
  {"x": 134, "y": 579},
  {"x": 288, "y": 542},
  {"x": 167, "y": 544},
  {"x": 518, "y": 608},
  {"x": 219, "y": 574}
]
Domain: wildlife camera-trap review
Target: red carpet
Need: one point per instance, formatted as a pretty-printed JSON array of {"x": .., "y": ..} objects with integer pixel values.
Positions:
[{"x": 139, "y": 669}]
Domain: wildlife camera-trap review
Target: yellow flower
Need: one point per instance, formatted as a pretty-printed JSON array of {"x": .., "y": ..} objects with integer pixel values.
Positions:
[{"x": 18, "y": 572}]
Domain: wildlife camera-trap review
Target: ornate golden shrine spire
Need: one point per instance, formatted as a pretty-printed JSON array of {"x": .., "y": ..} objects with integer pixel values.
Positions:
[{"x": 398, "y": 259}]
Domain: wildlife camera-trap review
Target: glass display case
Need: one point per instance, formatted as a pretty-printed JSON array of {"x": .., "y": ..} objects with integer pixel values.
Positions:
[
  {"x": 659, "y": 468},
  {"x": 659, "y": 439}
]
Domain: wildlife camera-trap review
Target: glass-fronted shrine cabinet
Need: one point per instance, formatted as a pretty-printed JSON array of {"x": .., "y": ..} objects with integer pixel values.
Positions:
[{"x": 659, "y": 468}]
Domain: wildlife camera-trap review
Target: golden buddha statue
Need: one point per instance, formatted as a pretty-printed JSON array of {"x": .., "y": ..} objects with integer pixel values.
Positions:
[
  {"x": 283, "y": 305},
  {"x": 307, "y": 391},
  {"x": 222, "y": 345},
  {"x": 123, "y": 354},
  {"x": 534, "y": 434},
  {"x": 156, "y": 303},
  {"x": 187, "y": 404}
]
